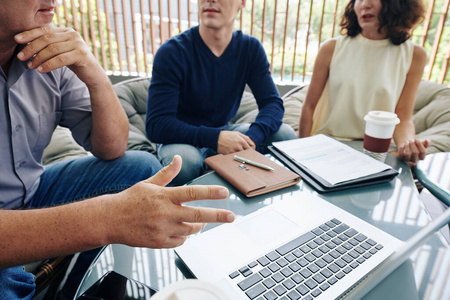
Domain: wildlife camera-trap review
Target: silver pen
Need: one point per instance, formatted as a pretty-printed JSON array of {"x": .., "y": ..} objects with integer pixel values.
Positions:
[{"x": 253, "y": 163}]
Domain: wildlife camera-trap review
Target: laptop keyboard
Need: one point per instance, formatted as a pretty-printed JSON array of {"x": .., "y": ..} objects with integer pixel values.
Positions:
[{"x": 307, "y": 266}]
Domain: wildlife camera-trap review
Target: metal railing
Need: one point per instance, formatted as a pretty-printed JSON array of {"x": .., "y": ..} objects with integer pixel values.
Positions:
[{"x": 125, "y": 35}]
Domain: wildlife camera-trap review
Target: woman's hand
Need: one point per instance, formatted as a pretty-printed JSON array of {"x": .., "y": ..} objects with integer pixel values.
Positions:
[{"x": 413, "y": 150}]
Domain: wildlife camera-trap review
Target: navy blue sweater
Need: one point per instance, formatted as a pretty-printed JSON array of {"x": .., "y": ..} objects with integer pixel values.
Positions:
[{"x": 193, "y": 93}]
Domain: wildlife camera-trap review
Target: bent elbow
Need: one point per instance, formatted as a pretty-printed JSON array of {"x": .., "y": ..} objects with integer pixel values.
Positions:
[
  {"x": 153, "y": 132},
  {"x": 110, "y": 152}
]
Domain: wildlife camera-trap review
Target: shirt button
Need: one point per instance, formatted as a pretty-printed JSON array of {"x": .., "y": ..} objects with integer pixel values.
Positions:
[
  {"x": 18, "y": 127},
  {"x": 21, "y": 164}
]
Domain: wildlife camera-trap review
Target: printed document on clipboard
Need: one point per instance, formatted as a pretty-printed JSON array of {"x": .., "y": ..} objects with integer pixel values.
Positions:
[{"x": 329, "y": 165}]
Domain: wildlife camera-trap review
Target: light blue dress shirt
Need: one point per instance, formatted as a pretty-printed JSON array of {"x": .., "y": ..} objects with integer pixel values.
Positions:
[{"x": 31, "y": 106}]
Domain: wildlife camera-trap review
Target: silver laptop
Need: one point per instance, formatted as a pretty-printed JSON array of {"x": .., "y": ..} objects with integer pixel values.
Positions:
[{"x": 298, "y": 248}]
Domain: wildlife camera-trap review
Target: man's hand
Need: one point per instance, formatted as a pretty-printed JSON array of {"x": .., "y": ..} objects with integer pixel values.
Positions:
[
  {"x": 50, "y": 48},
  {"x": 233, "y": 141},
  {"x": 153, "y": 216},
  {"x": 413, "y": 151}
]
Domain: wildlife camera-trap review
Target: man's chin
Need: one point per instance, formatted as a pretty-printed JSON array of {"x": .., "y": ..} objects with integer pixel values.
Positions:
[
  {"x": 210, "y": 25},
  {"x": 38, "y": 25},
  {"x": 49, "y": 24},
  {"x": 43, "y": 19}
]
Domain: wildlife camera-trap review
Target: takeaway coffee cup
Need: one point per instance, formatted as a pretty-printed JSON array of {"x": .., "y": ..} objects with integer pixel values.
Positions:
[{"x": 380, "y": 127}]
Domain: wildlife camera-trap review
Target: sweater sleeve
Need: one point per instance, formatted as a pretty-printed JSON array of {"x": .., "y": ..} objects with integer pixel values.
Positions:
[
  {"x": 162, "y": 124},
  {"x": 270, "y": 105}
]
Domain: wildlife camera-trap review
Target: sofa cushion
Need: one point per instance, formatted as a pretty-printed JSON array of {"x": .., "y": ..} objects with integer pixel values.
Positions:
[
  {"x": 432, "y": 115},
  {"x": 247, "y": 111},
  {"x": 62, "y": 147},
  {"x": 132, "y": 95},
  {"x": 293, "y": 104}
]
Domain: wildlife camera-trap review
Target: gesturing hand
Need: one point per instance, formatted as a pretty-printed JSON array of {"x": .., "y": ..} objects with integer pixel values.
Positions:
[
  {"x": 233, "y": 141},
  {"x": 153, "y": 215},
  {"x": 50, "y": 48}
]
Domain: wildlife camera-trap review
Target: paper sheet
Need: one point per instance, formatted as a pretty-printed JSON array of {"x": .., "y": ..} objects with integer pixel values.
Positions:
[{"x": 330, "y": 159}]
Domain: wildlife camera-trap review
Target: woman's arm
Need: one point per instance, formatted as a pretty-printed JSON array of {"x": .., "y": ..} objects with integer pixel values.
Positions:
[
  {"x": 318, "y": 81},
  {"x": 409, "y": 148}
]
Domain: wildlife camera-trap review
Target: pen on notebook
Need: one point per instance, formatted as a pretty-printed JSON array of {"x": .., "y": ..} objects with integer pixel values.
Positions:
[{"x": 253, "y": 163}]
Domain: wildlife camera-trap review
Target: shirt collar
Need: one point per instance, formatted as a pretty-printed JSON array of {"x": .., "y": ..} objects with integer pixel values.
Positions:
[{"x": 17, "y": 67}]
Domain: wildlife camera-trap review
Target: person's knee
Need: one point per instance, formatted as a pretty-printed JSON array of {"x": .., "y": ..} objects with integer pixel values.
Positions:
[
  {"x": 192, "y": 161},
  {"x": 285, "y": 132},
  {"x": 189, "y": 154},
  {"x": 189, "y": 171},
  {"x": 192, "y": 167},
  {"x": 142, "y": 162}
]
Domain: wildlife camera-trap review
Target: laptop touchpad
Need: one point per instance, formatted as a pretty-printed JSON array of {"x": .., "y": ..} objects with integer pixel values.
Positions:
[{"x": 266, "y": 227}]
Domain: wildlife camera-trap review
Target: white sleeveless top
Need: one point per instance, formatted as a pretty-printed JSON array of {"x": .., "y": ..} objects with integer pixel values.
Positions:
[{"x": 364, "y": 75}]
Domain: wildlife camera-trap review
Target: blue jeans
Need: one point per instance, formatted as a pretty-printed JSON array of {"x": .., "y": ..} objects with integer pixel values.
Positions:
[
  {"x": 70, "y": 181},
  {"x": 194, "y": 157}
]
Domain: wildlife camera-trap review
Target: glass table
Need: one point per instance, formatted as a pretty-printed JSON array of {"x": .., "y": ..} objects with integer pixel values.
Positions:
[
  {"x": 434, "y": 174},
  {"x": 394, "y": 207}
]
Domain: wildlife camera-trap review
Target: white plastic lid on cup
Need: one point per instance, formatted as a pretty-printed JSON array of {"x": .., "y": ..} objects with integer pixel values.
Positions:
[
  {"x": 190, "y": 289},
  {"x": 382, "y": 117},
  {"x": 381, "y": 124}
]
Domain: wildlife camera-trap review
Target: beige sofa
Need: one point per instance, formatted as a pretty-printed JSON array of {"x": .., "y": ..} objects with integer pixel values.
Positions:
[{"x": 431, "y": 117}]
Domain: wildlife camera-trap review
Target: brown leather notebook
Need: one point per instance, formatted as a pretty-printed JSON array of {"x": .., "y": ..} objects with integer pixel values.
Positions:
[{"x": 249, "y": 179}]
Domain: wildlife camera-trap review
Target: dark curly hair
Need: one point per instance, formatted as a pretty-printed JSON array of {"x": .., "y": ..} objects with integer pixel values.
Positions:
[{"x": 398, "y": 17}]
